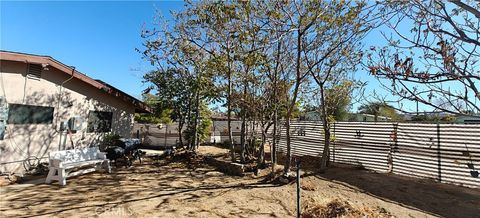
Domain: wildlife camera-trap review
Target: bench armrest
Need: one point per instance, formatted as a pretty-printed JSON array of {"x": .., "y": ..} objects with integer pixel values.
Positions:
[
  {"x": 57, "y": 163},
  {"x": 102, "y": 155}
]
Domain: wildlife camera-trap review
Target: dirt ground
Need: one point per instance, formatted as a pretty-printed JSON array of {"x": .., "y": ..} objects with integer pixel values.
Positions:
[{"x": 172, "y": 188}]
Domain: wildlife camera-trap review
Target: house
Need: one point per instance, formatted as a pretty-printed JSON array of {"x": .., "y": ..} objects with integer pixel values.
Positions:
[
  {"x": 46, "y": 105},
  {"x": 219, "y": 131},
  {"x": 468, "y": 119},
  {"x": 353, "y": 117},
  {"x": 311, "y": 116},
  {"x": 367, "y": 118}
]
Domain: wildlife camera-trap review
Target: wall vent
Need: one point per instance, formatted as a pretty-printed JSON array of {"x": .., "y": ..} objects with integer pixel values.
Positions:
[{"x": 35, "y": 71}]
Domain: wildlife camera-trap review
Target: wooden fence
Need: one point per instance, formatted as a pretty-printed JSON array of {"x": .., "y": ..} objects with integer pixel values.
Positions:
[{"x": 448, "y": 153}]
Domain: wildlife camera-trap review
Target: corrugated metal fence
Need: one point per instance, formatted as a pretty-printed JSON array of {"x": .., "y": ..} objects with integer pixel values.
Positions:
[{"x": 448, "y": 153}]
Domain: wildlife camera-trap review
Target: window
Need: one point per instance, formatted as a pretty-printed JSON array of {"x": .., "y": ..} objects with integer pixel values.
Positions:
[
  {"x": 35, "y": 71},
  {"x": 29, "y": 114},
  {"x": 99, "y": 121}
]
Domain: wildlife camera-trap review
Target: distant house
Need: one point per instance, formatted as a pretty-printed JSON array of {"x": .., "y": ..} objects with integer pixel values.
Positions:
[
  {"x": 367, "y": 118},
  {"x": 433, "y": 116},
  {"x": 219, "y": 131},
  {"x": 46, "y": 105},
  {"x": 466, "y": 119},
  {"x": 354, "y": 117},
  {"x": 311, "y": 116}
]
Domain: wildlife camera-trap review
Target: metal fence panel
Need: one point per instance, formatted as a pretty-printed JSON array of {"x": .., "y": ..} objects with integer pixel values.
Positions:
[{"x": 447, "y": 153}]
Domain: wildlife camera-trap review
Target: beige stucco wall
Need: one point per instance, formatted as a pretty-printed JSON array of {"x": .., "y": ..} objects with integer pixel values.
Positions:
[{"x": 36, "y": 140}]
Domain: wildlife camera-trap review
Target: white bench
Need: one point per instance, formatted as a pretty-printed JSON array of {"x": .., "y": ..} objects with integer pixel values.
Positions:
[{"x": 62, "y": 163}]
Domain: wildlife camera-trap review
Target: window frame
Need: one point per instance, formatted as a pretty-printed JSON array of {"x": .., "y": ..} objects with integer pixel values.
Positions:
[
  {"x": 107, "y": 126},
  {"x": 32, "y": 117}
]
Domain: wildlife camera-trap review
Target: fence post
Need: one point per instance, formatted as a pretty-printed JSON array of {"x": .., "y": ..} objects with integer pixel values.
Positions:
[
  {"x": 439, "y": 154},
  {"x": 393, "y": 147},
  {"x": 298, "y": 187},
  {"x": 166, "y": 128},
  {"x": 334, "y": 142}
]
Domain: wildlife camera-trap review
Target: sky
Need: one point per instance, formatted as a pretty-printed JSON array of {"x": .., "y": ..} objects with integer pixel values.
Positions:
[{"x": 99, "y": 38}]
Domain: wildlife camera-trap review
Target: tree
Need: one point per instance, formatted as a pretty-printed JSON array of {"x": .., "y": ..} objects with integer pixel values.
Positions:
[
  {"x": 215, "y": 25},
  {"x": 299, "y": 19},
  {"x": 306, "y": 29},
  {"x": 278, "y": 67},
  {"x": 331, "y": 51},
  {"x": 202, "y": 131},
  {"x": 173, "y": 94},
  {"x": 380, "y": 109},
  {"x": 182, "y": 80},
  {"x": 159, "y": 115},
  {"x": 338, "y": 100},
  {"x": 435, "y": 63}
]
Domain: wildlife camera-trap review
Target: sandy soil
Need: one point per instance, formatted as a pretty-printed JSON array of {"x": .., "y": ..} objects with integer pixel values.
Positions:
[{"x": 173, "y": 188}]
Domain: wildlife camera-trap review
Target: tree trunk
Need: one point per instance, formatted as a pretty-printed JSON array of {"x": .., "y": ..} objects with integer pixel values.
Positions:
[
  {"x": 242, "y": 139},
  {"x": 253, "y": 134},
  {"x": 273, "y": 147},
  {"x": 229, "y": 107},
  {"x": 288, "y": 158},
  {"x": 195, "y": 123},
  {"x": 189, "y": 118},
  {"x": 243, "y": 128},
  {"x": 180, "y": 135},
  {"x": 261, "y": 152},
  {"x": 326, "y": 129},
  {"x": 288, "y": 161}
]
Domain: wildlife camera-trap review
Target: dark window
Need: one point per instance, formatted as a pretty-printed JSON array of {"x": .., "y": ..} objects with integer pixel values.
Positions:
[
  {"x": 99, "y": 121},
  {"x": 29, "y": 114}
]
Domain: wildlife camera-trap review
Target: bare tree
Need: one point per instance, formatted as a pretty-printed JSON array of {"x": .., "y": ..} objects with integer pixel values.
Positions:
[{"x": 435, "y": 63}]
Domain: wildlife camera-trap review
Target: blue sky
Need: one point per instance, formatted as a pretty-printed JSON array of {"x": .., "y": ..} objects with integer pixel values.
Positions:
[{"x": 99, "y": 38}]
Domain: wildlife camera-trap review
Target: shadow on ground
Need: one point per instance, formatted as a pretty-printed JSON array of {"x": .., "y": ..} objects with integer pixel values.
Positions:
[
  {"x": 176, "y": 188},
  {"x": 90, "y": 194},
  {"x": 425, "y": 195}
]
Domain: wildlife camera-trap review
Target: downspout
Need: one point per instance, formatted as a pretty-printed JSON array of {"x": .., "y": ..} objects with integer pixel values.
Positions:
[
  {"x": 56, "y": 129},
  {"x": 60, "y": 95},
  {"x": 25, "y": 83}
]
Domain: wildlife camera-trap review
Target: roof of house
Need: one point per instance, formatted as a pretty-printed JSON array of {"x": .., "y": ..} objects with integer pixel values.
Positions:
[
  {"x": 371, "y": 115},
  {"x": 140, "y": 106}
]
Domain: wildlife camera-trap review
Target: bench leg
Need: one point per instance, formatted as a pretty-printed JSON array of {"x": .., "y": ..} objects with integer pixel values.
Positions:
[
  {"x": 50, "y": 175},
  {"x": 62, "y": 177}
]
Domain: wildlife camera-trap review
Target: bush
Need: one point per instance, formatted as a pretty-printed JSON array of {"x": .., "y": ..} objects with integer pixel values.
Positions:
[{"x": 109, "y": 140}]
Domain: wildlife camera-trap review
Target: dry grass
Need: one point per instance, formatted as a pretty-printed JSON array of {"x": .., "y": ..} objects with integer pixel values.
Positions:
[
  {"x": 338, "y": 208},
  {"x": 335, "y": 208}
]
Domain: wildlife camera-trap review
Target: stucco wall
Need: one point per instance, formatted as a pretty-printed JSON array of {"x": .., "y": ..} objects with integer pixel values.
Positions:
[{"x": 76, "y": 98}]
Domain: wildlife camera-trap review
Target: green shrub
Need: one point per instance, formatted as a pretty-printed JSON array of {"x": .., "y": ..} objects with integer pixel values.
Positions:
[{"x": 109, "y": 140}]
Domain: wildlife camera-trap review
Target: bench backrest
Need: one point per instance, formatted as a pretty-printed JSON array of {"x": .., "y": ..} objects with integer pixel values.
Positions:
[{"x": 76, "y": 155}]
